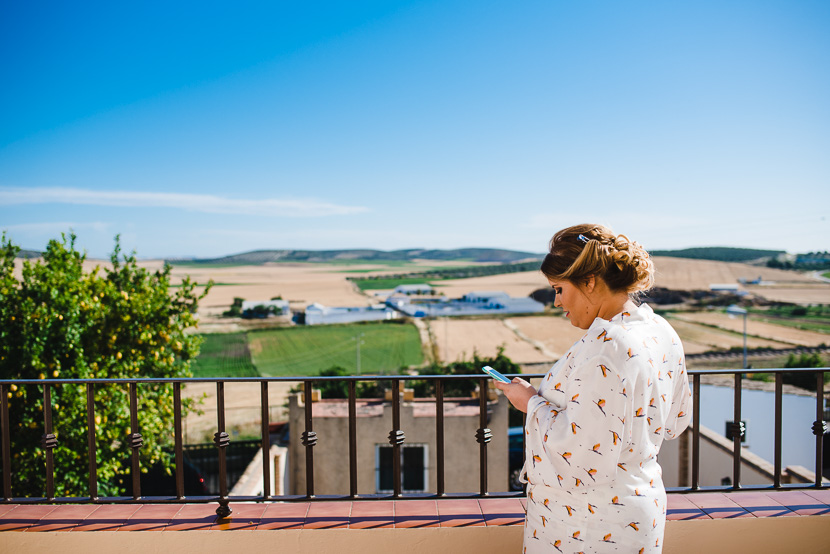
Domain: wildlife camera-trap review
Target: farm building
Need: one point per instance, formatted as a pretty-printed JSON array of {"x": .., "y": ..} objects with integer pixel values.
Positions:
[
  {"x": 317, "y": 314},
  {"x": 413, "y": 289},
  {"x": 264, "y": 308},
  {"x": 473, "y": 303}
]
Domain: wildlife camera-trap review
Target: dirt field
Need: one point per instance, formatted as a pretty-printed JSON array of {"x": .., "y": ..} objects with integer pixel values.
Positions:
[
  {"x": 698, "y": 338},
  {"x": 458, "y": 339},
  {"x": 555, "y": 333},
  {"x": 789, "y": 335}
]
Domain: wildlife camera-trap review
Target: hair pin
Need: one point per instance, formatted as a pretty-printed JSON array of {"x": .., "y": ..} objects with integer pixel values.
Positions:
[{"x": 583, "y": 238}]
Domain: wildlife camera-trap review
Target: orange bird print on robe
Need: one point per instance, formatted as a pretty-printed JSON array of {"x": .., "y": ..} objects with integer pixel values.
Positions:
[
  {"x": 639, "y": 413},
  {"x": 651, "y": 403},
  {"x": 574, "y": 398},
  {"x": 621, "y": 465},
  {"x": 591, "y": 473},
  {"x": 557, "y": 544},
  {"x": 560, "y": 479},
  {"x": 545, "y": 504},
  {"x": 577, "y": 482},
  {"x": 565, "y": 456},
  {"x": 576, "y": 535},
  {"x": 631, "y": 354},
  {"x": 600, "y": 403},
  {"x": 615, "y": 437},
  {"x": 544, "y": 522},
  {"x": 574, "y": 427},
  {"x": 616, "y": 501},
  {"x": 570, "y": 510},
  {"x": 607, "y": 538},
  {"x": 558, "y": 387},
  {"x": 591, "y": 508},
  {"x": 596, "y": 449},
  {"x": 604, "y": 370},
  {"x": 634, "y": 525},
  {"x": 536, "y": 458}
]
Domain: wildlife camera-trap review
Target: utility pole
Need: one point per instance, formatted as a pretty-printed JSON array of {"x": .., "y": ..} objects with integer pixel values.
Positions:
[{"x": 359, "y": 340}]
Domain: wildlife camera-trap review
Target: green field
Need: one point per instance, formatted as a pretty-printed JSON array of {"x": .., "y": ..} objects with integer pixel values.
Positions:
[
  {"x": 301, "y": 351},
  {"x": 384, "y": 284},
  {"x": 224, "y": 355}
]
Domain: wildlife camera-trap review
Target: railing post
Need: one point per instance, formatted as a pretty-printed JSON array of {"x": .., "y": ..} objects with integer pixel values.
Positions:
[
  {"x": 353, "y": 438},
  {"x": 309, "y": 441},
  {"x": 779, "y": 390},
  {"x": 738, "y": 431},
  {"x": 91, "y": 442},
  {"x": 696, "y": 432},
  {"x": 222, "y": 440},
  {"x": 135, "y": 441},
  {"x": 265, "y": 419},
  {"x": 178, "y": 442},
  {"x": 819, "y": 427},
  {"x": 483, "y": 434},
  {"x": 439, "y": 434},
  {"x": 48, "y": 441},
  {"x": 396, "y": 438},
  {"x": 6, "y": 446}
]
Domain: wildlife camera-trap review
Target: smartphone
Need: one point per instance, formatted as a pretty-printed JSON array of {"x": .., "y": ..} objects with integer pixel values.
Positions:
[{"x": 495, "y": 374}]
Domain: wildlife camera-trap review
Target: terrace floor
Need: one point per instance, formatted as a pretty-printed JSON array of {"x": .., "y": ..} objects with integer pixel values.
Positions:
[{"x": 400, "y": 514}]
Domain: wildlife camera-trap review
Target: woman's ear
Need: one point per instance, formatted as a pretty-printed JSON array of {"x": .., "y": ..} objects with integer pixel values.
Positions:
[{"x": 590, "y": 283}]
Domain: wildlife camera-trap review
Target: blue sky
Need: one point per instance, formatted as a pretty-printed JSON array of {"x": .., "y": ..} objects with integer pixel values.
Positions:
[{"x": 211, "y": 128}]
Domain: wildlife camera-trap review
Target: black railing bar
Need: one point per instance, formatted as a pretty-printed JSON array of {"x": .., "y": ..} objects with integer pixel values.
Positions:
[
  {"x": 695, "y": 433},
  {"x": 91, "y": 442},
  {"x": 310, "y": 440},
  {"x": 368, "y": 497},
  {"x": 265, "y": 422},
  {"x": 48, "y": 441},
  {"x": 352, "y": 439},
  {"x": 314, "y": 378},
  {"x": 819, "y": 426},
  {"x": 439, "y": 436},
  {"x": 779, "y": 414},
  {"x": 222, "y": 440},
  {"x": 135, "y": 440},
  {"x": 5, "y": 441},
  {"x": 397, "y": 439},
  {"x": 178, "y": 438},
  {"x": 483, "y": 432},
  {"x": 737, "y": 434}
]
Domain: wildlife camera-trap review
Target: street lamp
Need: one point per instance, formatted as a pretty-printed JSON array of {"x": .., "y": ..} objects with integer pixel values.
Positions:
[{"x": 734, "y": 310}]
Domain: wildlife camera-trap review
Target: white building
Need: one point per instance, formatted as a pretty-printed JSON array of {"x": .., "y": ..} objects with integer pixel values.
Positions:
[
  {"x": 280, "y": 307},
  {"x": 318, "y": 314}
]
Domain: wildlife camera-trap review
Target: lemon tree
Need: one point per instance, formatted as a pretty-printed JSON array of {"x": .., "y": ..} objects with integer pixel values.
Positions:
[{"x": 60, "y": 321}]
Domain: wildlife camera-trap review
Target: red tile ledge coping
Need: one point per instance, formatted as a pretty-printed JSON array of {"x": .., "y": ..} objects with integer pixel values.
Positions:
[{"x": 401, "y": 514}]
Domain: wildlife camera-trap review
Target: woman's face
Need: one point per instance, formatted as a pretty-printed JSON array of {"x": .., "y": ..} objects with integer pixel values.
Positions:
[{"x": 574, "y": 300}]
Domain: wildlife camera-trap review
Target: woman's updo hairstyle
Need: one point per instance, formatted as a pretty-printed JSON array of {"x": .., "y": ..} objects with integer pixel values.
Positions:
[{"x": 580, "y": 251}]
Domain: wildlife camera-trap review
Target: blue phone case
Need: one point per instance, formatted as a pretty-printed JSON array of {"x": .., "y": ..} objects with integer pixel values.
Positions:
[{"x": 495, "y": 374}]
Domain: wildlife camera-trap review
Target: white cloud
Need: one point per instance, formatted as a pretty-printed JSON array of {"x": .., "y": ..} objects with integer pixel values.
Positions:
[
  {"x": 57, "y": 227},
  {"x": 272, "y": 207}
]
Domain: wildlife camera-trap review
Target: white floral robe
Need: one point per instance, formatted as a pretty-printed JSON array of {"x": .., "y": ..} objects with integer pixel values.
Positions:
[{"x": 593, "y": 433}]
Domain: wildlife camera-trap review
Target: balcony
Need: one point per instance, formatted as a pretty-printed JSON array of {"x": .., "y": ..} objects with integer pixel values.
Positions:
[{"x": 783, "y": 514}]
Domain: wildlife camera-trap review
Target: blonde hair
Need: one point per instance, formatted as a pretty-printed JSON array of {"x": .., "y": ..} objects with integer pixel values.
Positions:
[{"x": 587, "y": 249}]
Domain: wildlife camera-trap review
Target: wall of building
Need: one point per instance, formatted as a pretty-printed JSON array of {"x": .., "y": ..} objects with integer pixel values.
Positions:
[
  {"x": 331, "y": 454},
  {"x": 716, "y": 463}
]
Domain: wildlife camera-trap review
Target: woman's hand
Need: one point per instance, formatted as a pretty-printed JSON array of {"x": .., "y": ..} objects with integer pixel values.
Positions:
[{"x": 518, "y": 392}]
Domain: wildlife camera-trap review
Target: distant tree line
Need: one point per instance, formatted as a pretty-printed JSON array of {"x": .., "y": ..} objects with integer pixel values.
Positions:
[
  {"x": 456, "y": 272},
  {"x": 719, "y": 253}
]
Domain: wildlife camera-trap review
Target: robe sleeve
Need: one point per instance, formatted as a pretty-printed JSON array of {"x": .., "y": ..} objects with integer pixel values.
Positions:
[{"x": 579, "y": 445}]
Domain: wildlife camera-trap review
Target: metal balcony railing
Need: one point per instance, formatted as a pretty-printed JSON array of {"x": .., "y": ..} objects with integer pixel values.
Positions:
[{"x": 396, "y": 437}]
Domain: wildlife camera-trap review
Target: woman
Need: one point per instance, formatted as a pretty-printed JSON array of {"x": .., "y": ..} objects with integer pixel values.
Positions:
[{"x": 596, "y": 424}]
